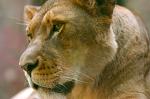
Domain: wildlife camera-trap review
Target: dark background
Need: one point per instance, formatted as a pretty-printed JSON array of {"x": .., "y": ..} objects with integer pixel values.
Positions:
[{"x": 12, "y": 40}]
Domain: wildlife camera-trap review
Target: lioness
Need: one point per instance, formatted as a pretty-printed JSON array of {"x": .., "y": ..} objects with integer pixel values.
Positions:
[{"x": 86, "y": 49}]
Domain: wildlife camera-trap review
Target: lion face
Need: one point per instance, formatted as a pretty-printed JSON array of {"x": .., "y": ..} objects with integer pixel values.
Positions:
[{"x": 64, "y": 47}]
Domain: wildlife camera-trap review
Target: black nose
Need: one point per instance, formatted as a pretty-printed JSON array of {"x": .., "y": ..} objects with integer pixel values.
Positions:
[{"x": 29, "y": 67}]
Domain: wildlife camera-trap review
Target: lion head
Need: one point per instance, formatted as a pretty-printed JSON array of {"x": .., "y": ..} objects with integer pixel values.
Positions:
[{"x": 70, "y": 42}]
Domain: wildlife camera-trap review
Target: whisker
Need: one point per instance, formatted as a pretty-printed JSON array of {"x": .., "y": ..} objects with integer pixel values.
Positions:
[
  {"x": 58, "y": 87},
  {"x": 74, "y": 79},
  {"x": 83, "y": 74},
  {"x": 64, "y": 86},
  {"x": 14, "y": 18},
  {"x": 22, "y": 24},
  {"x": 17, "y": 20}
]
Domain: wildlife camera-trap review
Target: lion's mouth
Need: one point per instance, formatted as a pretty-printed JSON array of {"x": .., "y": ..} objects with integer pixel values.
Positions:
[{"x": 64, "y": 88}]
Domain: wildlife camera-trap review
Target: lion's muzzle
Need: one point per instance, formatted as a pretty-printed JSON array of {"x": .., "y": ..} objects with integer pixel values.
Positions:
[{"x": 28, "y": 60}]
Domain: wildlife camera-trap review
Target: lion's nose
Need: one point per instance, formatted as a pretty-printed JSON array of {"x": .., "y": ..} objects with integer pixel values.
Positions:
[
  {"x": 28, "y": 67},
  {"x": 28, "y": 61},
  {"x": 30, "y": 58}
]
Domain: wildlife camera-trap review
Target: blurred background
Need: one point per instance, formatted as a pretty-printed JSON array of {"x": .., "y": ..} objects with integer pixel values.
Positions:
[{"x": 12, "y": 40}]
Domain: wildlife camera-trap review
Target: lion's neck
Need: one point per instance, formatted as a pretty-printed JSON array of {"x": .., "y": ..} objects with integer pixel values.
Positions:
[{"x": 86, "y": 92}]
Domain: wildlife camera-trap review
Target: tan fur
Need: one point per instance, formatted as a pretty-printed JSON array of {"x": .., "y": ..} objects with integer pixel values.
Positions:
[{"x": 103, "y": 47}]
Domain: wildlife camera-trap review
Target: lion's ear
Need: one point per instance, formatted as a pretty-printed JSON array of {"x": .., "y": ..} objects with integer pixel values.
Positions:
[
  {"x": 102, "y": 7},
  {"x": 29, "y": 12},
  {"x": 106, "y": 7}
]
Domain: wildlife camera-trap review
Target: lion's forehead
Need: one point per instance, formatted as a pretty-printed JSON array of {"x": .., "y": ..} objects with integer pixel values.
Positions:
[{"x": 56, "y": 13}]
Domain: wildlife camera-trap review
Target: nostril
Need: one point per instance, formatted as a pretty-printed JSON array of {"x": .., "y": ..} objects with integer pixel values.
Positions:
[{"x": 29, "y": 67}]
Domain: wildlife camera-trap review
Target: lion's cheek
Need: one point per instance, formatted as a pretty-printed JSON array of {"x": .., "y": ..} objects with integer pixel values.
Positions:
[{"x": 45, "y": 76}]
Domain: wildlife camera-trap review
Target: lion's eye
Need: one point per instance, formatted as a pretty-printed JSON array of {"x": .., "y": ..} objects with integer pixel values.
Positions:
[{"x": 56, "y": 29}]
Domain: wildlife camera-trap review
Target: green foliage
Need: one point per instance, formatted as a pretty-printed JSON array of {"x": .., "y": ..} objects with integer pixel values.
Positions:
[
  {"x": 121, "y": 2},
  {"x": 38, "y": 2}
]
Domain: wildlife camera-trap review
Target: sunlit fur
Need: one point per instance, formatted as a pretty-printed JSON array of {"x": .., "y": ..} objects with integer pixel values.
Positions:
[{"x": 103, "y": 47}]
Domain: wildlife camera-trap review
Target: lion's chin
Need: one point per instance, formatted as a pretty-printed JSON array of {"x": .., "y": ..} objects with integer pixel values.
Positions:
[{"x": 64, "y": 88}]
